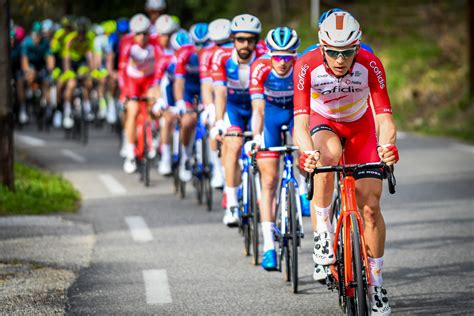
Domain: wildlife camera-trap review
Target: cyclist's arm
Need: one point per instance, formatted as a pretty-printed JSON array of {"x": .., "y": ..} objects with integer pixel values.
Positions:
[
  {"x": 178, "y": 88},
  {"x": 301, "y": 134},
  {"x": 258, "y": 110},
  {"x": 67, "y": 55},
  {"x": 387, "y": 129},
  {"x": 302, "y": 84},
  {"x": 25, "y": 63},
  {"x": 206, "y": 93},
  {"x": 50, "y": 62},
  {"x": 259, "y": 72},
  {"x": 220, "y": 101}
]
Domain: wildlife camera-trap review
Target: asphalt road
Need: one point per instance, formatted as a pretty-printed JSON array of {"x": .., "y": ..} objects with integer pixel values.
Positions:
[{"x": 181, "y": 259}]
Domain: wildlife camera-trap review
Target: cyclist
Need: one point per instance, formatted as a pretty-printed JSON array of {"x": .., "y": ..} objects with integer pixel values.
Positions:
[
  {"x": 332, "y": 86},
  {"x": 220, "y": 35},
  {"x": 17, "y": 34},
  {"x": 186, "y": 87},
  {"x": 168, "y": 42},
  {"x": 138, "y": 59},
  {"x": 57, "y": 49},
  {"x": 77, "y": 59},
  {"x": 231, "y": 76},
  {"x": 34, "y": 52},
  {"x": 100, "y": 73},
  {"x": 271, "y": 90}
]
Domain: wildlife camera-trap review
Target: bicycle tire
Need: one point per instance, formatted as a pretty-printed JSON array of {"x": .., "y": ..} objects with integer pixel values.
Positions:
[
  {"x": 146, "y": 161},
  {"x": 254, "y": 220},
  {"x": 294, "y": 238},
  {"x": 182, "y": 189},
  {"x": 176, "y": 179},
  {"x": 360, "y": 289},
  {"x": 206, "y": 174}
]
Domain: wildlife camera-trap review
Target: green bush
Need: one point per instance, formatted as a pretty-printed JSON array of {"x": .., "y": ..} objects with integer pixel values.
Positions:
[{"x": 38, "y": 192}]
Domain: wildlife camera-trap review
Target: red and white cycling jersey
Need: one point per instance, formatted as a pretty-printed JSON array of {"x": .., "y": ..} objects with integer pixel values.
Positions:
[
  {"x": 205, "y": 63},
  {"x": 342, "y": 99}
]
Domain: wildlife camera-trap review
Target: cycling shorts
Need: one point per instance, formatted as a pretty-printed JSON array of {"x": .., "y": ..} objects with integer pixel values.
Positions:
[
  {"x": 360, "y": 140},
  {"x": 238, "y": 115},
  {"x": 138, "y": 87}
]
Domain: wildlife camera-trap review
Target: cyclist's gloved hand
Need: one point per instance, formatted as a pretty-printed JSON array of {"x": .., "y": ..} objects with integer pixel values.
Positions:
[
  {"x": 160, "y": 105},
  {"x": 218, "y": 129},
  {"x": 209, "y": 114},
  {"x": 388, "y": 153},
  {"x": 308, "y": 160},
  {"x": 179, "y": 107},
  {"x": 253, "y": 144}
]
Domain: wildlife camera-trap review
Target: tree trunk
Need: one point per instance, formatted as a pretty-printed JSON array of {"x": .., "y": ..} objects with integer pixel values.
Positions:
[
  {"x": 471, "y": 49},
  {"x": 6, "y": 112}
]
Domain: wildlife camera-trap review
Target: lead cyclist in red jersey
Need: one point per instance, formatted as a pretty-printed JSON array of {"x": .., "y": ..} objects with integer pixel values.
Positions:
[{"x": 332, "y": 87}]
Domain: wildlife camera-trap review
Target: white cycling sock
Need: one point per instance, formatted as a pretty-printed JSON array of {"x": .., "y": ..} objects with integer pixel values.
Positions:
[
  {"x": 165, "y": 152},
  {"x": 323, "y": 217},
  {"x": 67, "y": 108},
  {"x": 130, "y": 151},
  {"x": 216, "y": 161},
  {"x": 268, "y": 241},
  {"x": 231, "y": 195},
  {"x": 376, "y": 265}
]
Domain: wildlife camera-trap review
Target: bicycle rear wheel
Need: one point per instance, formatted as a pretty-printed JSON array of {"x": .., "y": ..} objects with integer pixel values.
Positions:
[
  {"x": 206, "y": 174},
  {"x": 294, "y": 238},
  {"x": 360, "y": 286},
  {"x": 254, "y": 219},
  {"x": 146, "y": 161}
]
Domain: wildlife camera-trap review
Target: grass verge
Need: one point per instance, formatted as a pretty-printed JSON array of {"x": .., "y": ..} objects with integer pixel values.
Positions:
[{"x": 38, "y": 192}]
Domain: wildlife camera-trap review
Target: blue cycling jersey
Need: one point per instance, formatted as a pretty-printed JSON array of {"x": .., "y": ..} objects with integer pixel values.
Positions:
[{"x": 36, "y": 53}]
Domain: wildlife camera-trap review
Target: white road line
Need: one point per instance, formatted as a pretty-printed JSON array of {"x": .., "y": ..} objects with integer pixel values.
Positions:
[
  {"x": 138, "y": 228},
  {"x": 70, "y": 154},
  {"x": 31, "y": 141},
  {"x": 465, "y": 148},
  {"x": 156, "y": 286},
  {"x": 112, "y": 185}
]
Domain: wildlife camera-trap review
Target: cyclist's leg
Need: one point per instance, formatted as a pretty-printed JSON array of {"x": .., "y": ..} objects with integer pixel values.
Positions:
[
  {"x": 188, "y": 124},
  {"x": 231, "y": 154},
  {"x": 362, "y": 148},
  {"x": 166, "y": 128},
  {"x": 328, "y": 142}
]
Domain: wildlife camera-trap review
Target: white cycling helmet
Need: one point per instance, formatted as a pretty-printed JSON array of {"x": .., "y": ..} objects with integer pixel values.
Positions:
[
  {"x": 157, "y": 5},
  {"x": 139, "y": 23},
  {"x": 339, "y": 29},
  {"x": 246, "y": 23},
  {"x": 47, "y": 26},
  {"x": 166, "y": 25},
  {"x": 219, "y": 30}
]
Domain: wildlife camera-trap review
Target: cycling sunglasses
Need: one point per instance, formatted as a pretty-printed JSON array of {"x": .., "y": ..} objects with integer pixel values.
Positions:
[
  {"x": 250, "y": 40},
  {"x": 344, "y": 53},
  {"x": 141, "y": 33},
  {"x": 286, "y": 58}
]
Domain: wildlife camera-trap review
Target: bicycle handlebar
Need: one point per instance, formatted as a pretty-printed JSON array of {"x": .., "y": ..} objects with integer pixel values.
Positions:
[{"x": 388, "y": 174}]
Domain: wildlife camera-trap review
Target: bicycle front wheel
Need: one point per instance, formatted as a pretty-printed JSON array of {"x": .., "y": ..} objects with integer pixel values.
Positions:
[
  {"x": 294, "y": 238},
  {"x": 360, "y": 279},
  {"x": 254, "y": 218}
]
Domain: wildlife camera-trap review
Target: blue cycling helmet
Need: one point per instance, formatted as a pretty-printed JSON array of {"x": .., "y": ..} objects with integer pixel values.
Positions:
[
  {"x": 282, "y": 38},
  {"x": 180, "y": 38},
  {"x": 122, "y": 25},
  {"x": 199, "y": 33},
  {"x": 326, "y": 14}
]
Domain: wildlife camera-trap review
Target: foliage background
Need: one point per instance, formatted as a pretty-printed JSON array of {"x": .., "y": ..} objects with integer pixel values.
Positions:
[{"x": 422, "y": 43}]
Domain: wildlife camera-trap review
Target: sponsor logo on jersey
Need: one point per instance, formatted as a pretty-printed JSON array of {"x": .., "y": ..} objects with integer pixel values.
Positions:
[
  {"x": 339, "y": 89},
  {"x": 378, "y": 73},
  {"x": 302, "y": 76},
  {"x": 254, "y": 82},
  {"x": 315, "y": 95}
]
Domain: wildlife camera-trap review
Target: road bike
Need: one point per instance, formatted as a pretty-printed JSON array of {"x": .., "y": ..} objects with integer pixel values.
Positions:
[{"x": 350, "y": 273}]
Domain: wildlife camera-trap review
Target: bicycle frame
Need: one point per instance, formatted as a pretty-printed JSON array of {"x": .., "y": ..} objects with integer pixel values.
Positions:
[
  {"x": 348, "y": 207},
  {"x": 143, "y": 127},
  {"x": 288, "y": 176}
]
